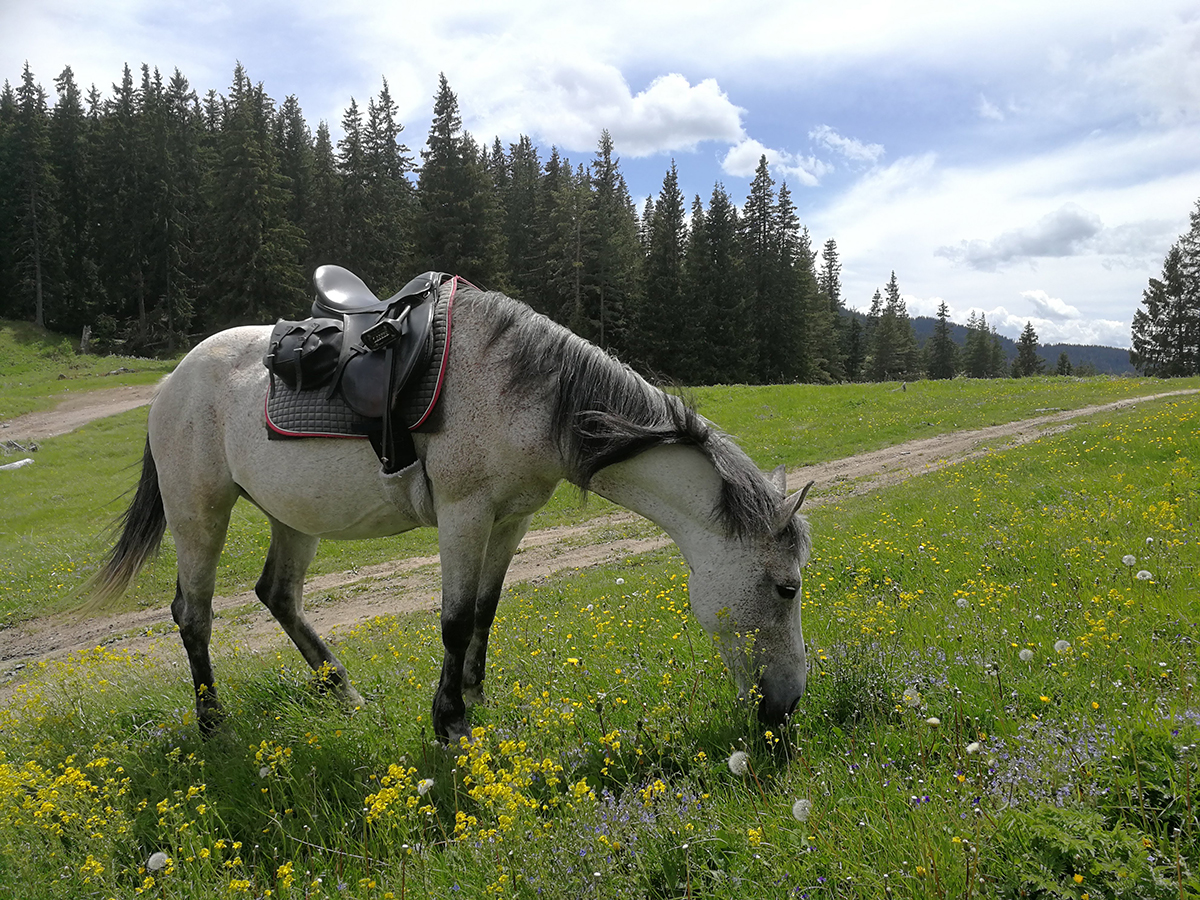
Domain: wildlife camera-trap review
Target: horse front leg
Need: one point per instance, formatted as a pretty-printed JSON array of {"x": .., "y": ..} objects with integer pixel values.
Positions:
[
  {"x": 463, "y": 534},
  {"x": 502, "y": 544}
]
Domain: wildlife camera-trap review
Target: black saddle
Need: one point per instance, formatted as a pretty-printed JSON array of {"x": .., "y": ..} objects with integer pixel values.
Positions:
[{"x": 360, "y": 348}]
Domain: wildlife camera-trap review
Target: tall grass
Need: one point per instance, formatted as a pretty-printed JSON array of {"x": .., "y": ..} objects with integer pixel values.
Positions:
[{"x": 1001, "y": 704}]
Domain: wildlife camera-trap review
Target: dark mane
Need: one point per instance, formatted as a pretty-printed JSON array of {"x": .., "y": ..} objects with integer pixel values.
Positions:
[{"x": 602, "y": 412}]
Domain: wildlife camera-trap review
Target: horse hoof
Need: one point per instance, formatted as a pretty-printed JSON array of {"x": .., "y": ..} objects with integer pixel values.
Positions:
[
  {"x": 473, "y": 695},
  {"x": 351, "y": 698}
]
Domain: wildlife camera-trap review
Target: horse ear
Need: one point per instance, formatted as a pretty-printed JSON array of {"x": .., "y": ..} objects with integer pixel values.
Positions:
[
  {"x": 790, "y": 506},
  {"x": 778, "y": 477}
]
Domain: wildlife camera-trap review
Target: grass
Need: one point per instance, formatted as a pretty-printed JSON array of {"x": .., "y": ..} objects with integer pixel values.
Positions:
[
  {"x": 999, "y": 705},
  {"x": 38, "y": 369}
]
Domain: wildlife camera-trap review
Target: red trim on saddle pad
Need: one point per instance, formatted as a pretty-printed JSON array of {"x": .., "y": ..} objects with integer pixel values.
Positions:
[
  {"x": 441, "y": 365},
  {"x": 283, "y": 432}
]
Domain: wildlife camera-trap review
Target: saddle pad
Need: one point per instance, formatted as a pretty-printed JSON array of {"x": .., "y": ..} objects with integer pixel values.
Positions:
[
  {"x": 420, "y": 395},
  {"x": 299, "y": 414}
]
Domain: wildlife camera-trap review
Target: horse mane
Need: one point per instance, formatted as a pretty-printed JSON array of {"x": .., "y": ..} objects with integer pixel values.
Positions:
[{"x": 602, "y": 412}]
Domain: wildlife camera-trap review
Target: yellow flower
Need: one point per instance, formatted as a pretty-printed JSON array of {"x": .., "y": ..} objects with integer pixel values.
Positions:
[{"x": 1078, "y": 878}]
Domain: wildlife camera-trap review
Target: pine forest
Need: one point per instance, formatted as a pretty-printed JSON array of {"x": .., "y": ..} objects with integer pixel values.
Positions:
[{"x": 155, "y": 216}]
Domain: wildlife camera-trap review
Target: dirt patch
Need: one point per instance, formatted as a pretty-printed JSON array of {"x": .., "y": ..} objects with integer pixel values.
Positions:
[
  {"x": 345, "y": 599},
  {"x": 74, "y": 412}
]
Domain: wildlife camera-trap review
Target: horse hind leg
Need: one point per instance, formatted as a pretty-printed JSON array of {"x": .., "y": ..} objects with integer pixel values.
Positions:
[
  {"x": 198, "y": 542},
  {"x": 281, "y": 589}
]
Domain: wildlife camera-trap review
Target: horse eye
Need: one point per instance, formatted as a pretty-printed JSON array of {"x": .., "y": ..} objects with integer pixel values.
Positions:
[{"x": 786, "y": 591}]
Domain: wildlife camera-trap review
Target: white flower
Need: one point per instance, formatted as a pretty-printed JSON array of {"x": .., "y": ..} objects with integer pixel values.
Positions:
[
  {"x": 1062, "y": 646},
  {"x": 620, "y": 581},
  {"x": 1143, "y": 575},
  {"x": 974, "y": 747},
  {"x": 424, "y": 786},
  {"x": 962, "y": 603},
  {"x": 739, "y": 762},
  {"x": 933, "y": 721},
  {"x": 157, "y": 861},
  {"x": 912, "y": 698},
  {"x": 800, "y": 810},
  {"x": 1026, "y": 655},
  {"x": 1129, "y": 559}
]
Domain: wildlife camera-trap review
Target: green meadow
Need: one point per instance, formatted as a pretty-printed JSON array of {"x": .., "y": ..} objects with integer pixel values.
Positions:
[{"x": 1002, "y": 697}]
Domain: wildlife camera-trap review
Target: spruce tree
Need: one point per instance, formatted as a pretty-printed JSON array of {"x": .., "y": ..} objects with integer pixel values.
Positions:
[
  {"x": 825, "y": 331},
  {"x": 1166, "y": 330},
  {"x": 666, "y": 329},
  {"x": 612, "y": 255},
  {"x": 519, "y": 200},
  {"x": 458, "y": 227},
  {"x": 1028, "y": 362},
  {"x": 36, "y": 234},
  {"x": 1064, "y": 364},
  {"x": 942, "y": 352}
]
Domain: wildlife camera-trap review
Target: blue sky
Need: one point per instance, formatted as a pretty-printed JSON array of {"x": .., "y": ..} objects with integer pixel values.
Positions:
[{"x": 1029, "y": 160}]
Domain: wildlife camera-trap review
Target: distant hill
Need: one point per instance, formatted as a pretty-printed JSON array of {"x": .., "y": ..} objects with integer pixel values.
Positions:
[{"x": 1105, "y": 360}]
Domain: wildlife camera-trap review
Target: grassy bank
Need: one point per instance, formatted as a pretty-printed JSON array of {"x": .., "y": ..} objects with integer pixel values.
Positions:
[{"x": 1002, "y": 703}]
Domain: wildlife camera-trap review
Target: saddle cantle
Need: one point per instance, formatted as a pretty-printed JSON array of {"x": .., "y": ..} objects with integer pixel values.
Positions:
[{"x": 344, "y": 372}]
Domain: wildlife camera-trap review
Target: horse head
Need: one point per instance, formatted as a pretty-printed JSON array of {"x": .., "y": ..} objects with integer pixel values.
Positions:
[{"x": 747, "y": 595}]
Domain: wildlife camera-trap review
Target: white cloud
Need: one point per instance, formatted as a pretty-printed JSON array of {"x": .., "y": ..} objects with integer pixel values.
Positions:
[
  {"x": 1048, "y": 307},
  {"x": 851, "y": 148},
  {"x": 989, "y": 110},
  {"x": 1064, "y": 232},
  {"x": 742, "y": 160}
]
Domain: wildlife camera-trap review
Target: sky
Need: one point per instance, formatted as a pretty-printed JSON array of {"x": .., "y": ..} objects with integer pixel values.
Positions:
[{"x": 1030, "y": 160}]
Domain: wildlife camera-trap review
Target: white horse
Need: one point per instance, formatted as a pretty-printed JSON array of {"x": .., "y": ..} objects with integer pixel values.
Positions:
[{"x": 524, "y": 405}]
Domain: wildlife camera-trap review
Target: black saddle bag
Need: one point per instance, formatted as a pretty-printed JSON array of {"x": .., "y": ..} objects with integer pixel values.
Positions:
[{"x": 304, "y": 355}]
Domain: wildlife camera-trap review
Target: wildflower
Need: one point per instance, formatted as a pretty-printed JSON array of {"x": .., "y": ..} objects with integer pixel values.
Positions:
[
  {"x": 1026, "y": 655},
  {"x": 1062, "y": 646},
  {"x": 1143, "y": 575},
  {"x": 800, "y": 809},
  {"x": 424, "y": 786},
  {"x": 1078, "y": 878},
  {"x": 912, "y": 698},
  {"x": 962, "y": 603},
  {"x": 1129, "y": 559},
  {"x": 739, "y": 762},
  {"x": 974, "y": 747},
  {"x": 157, "y": 861},
  {"x": 933, "y": 721},
  {"x": 620, "y": 581},
  {"x": 264, "y": 771}
]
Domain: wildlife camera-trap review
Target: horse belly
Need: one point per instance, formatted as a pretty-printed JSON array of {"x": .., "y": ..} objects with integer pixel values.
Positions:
[{"x": 330, "y": 488}]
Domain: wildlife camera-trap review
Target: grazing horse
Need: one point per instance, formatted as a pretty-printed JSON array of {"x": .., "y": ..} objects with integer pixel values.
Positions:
[{"x": 524, "y": 404}]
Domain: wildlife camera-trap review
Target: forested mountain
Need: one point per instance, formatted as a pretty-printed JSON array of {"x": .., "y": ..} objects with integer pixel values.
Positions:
[
  {"x": 157, "y": 216},
  {"x": 1089, "y": 358}
]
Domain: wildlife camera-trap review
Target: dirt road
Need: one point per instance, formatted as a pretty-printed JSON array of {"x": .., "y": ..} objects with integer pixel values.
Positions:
[{"x": 345, "y": 599}]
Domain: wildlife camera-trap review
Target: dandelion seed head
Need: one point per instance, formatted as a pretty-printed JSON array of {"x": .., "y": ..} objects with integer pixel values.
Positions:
[
  {"x": 1026, "y": 655},
  {"x": 800, "y": 810},
  {"x": 912, "y": 698},
  {"x": 1143, "y": 575},
  {"x": 974, "y": 747},
  {"x": 157, "y": 861},
  {"x": 620, "y": 581},
  {"x": 424, "y": 786},
  {"x": 962, "y": 603},
  {"x": 264, "y": 771},
  {"x": 1062, "y": 646},
  {"x": 739, "y": 762},
  {"x": 933, "y": 721},
  {"x": 1129, "y": 559}
]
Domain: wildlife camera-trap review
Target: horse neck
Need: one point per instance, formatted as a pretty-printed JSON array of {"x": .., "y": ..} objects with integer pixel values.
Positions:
[{"x": 676, "y": 487}]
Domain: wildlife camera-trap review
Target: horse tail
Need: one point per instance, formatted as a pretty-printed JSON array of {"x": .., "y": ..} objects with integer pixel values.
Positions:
[{"x": 141, "y": 528}]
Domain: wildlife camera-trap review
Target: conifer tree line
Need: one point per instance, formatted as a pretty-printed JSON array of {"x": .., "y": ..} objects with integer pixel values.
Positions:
[{"x": 157, "y": 216}]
